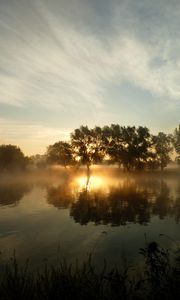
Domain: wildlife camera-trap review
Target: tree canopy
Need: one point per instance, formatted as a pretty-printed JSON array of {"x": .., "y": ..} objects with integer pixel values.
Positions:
[
  {"x": 12, "y": 158},
  {"x": 60, "y": 153},
  {"x": 163, "y": 147},
  {"x": 176, "y": 140},
  {"x": 88, "y": 145},
  {"x": 130, "y": 147}
]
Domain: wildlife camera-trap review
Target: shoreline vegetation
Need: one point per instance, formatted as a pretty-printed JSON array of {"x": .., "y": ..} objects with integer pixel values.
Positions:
[
  {"x": 158, "y": 278},
  {"x": 130, "y": 148}
]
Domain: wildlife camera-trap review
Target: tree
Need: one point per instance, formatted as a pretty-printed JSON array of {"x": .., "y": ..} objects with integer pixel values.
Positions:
[
  {"x": 60, "y": 153},
  {"x": 112, "y": 139},
  {"x": 136, "y": 147},
  {"x": 12, "y": 158},
  {"x": 152, "y": 162},
  {"x": 129, "y": 146},
  {"x": 176, "y": 142},
  {"x": 163, "y": 148},
  {"x": 87, "y": 145},
  {"x": 38, "y": 161}
]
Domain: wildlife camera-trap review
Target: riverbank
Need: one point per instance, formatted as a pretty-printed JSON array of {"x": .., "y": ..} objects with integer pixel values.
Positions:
[{"x": 158, "y": 279}]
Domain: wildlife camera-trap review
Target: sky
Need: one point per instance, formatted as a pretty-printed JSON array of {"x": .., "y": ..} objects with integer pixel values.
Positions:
[{"x": 67, "y": 63}]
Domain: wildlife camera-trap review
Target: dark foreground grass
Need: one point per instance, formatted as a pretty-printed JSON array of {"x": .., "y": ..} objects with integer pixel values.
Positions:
[{"x": 158, "y": 279}]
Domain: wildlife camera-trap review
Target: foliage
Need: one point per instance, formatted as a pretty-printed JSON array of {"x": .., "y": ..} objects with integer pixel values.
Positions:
[
  {"x": 128, "y": 146},
  {"x": 87, "y": 145},
  {"x": 12, "y": 158},
  {"x": 60, "y": 153},
  {"x": 137, "y": 145},
  {"x": 112, "y": 139},
  {"x": 38, "y": 161},
  {"x": 158, "y": 280},
  {"x": 163, "y": 148},
  {"x": 176, "y": 140}
]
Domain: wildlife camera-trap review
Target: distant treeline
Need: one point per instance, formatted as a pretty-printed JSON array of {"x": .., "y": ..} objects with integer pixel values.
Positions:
[{"x": 132, "y": 148}]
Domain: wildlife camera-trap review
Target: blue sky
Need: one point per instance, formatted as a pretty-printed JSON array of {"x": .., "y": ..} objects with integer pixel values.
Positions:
[{"x": 95, "y": 62}]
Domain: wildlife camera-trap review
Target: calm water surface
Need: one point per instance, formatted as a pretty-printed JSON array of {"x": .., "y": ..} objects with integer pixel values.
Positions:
[{"x": 63, "y": 215}]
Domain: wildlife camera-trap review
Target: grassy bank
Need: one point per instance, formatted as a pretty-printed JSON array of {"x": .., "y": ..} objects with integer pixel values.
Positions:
[{"x": 158, "y": 279}]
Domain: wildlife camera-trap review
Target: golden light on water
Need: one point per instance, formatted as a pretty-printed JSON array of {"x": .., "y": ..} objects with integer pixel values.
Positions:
[
  {"x": 94, "y": 182},
  {"x": 99, "y": 180}
]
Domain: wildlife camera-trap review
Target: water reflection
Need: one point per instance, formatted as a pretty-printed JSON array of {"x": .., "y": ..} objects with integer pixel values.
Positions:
[
  {"x": 90, "y": 183},
  {"x": 163, "y": 203},
  {"x": 61, "y": 196},
  {"x": 132, "y": 201},
  {"x": 113, "y": 200},
  {"x": 48, "y": 213},
  {"x": 11, "y": 194}
]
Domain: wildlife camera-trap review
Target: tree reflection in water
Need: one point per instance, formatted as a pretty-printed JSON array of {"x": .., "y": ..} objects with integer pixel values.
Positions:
[
  {"x": 132, "y": 201},
  {"x": 61, "y": 196},
  {"x": 176, "y": 206},
  {"x": 11, "y": 194},
  {"x": 119, "y": 206}
]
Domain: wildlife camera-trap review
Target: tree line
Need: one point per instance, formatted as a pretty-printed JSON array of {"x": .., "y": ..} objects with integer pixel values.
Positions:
[{"x": 132, "y": 148}]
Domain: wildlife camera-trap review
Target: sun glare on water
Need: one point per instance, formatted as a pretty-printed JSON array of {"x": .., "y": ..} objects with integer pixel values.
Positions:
[{"x": 94, "y": 182}]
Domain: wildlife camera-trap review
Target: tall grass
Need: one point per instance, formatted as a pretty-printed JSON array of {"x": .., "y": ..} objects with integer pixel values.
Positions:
[{"x": 158, "y": 279}]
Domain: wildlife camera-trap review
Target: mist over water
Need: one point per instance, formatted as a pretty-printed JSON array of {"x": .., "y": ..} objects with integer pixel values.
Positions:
[{"x": 59, "y": 212}]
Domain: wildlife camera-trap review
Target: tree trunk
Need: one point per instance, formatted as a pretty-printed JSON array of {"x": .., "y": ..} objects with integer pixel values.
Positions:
[{"x": 88, "y": 175}]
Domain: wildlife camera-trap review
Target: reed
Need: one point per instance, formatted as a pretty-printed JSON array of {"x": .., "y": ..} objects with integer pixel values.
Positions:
[{"x": 158, "y": 279}]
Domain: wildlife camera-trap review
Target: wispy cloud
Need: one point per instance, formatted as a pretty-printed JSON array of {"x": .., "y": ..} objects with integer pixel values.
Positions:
[{"x": 69, "y": 68}]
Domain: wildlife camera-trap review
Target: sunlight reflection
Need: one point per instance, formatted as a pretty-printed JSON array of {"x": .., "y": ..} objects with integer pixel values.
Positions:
[{"x": 94, "y": 182}]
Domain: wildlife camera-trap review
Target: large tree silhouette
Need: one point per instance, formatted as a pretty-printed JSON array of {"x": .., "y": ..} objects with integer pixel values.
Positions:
[
  {"x": 60, "y": 153},
  {"x": 112, "y": 139},
  {"x": 12, "y": 158},
  {"x": 163, "y": 148},
  {"x": 128, "y": 146},
  {"x": 176, "y": 142},
  {"x": 87, "y": 145}
]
